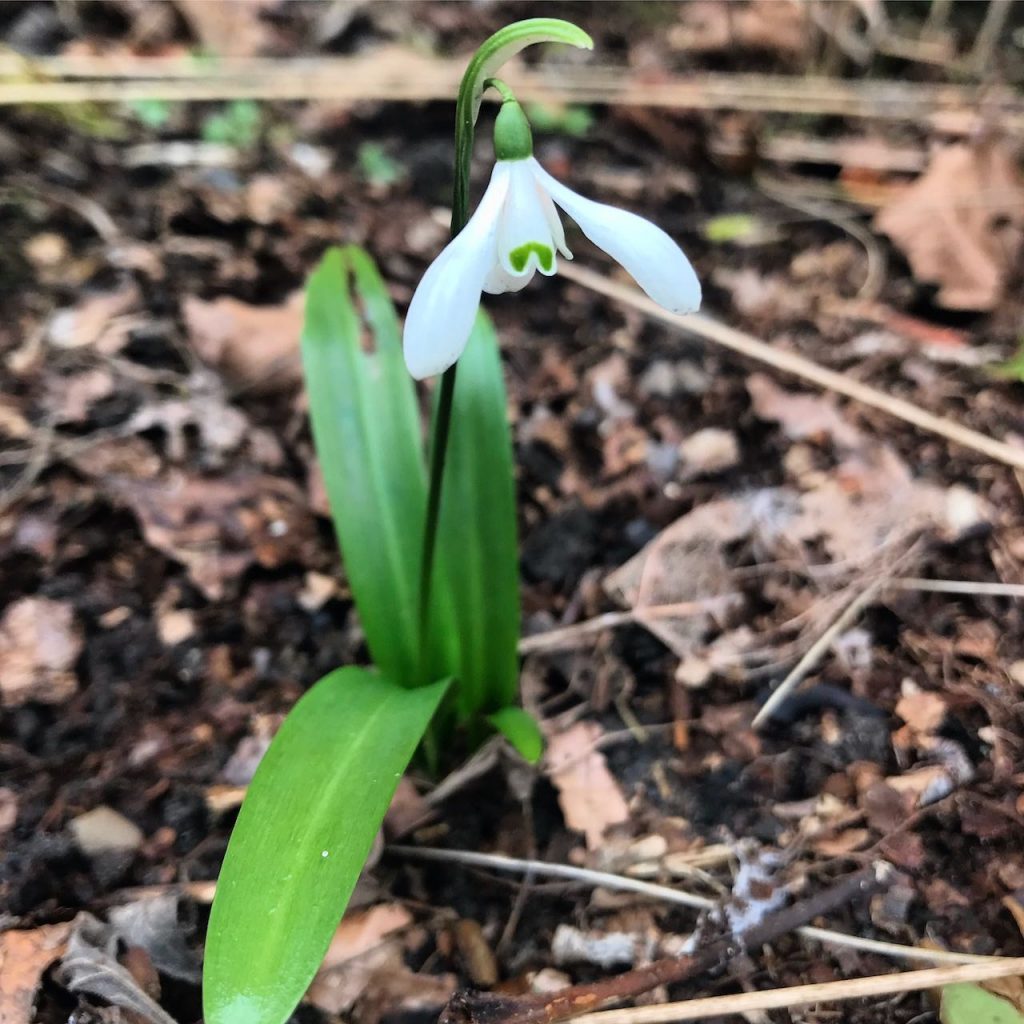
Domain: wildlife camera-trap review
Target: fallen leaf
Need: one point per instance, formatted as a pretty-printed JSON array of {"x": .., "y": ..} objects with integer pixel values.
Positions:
[
  {"x": 924, "y": 712},
  {"x": 39, "y": 644},
  {"x": 359, "y": 932},
  {"x": 94, "y": 322},
  {"x": 24, "y": 956},
  {"x": 90, "y": 966},
  {"x": 219, "y": 427},
  {"x": 228, "y": 28},
  {"x": 711, "y": 450},
  {"x": 257, "y": 346},
  {"x": 8, "y": 810},
  {"x": 217, "y": 527},
  {"x": 588, "y": 794},
  {"x": 71, "y": 399},
  {"x": 961, "y": 224},
  {"x": 155, "y": 926},
  {"x": 803, "y": 416}
]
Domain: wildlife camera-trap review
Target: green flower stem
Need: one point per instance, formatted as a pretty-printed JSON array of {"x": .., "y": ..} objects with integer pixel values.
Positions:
[{"x": 505, "y": 43}]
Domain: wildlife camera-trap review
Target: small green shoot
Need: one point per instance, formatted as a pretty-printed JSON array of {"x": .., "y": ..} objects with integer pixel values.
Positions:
[
  {"x": 560, "y": 119},
  {"x": 238, "y": 125},
  {"x": 377, "y": 166}
]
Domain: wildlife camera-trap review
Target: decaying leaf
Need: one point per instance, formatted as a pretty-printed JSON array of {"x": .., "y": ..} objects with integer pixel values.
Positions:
[
  {"x": 24, "y": 956},
  {"x": 228, "y": 28},
  {"x": 802, "y": 415},
  {"x": 961, "y": 224},
  {"x": 39, "y": 644},
  {"x": 588, "y": 794},
  {"x": 90, "y": 965},
  {"x": 155, "y": 925},
  {"x": 218, "y": 527},
  {"x": 256, "y": 346},
  {"x": 95, "y": 321},
  {"x": 366, "y": 961}
]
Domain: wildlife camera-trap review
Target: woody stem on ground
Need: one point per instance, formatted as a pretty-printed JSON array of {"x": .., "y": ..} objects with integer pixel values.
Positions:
[{"x": 714, "y": 956}]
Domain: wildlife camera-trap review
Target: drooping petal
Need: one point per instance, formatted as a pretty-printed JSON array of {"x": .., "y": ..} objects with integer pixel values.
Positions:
[
  {"x": 650, "y": 255},
  {"x": 499, "y": 281},
  {"x": 525, "y": 244},
  {"x": 445, "y": 302},
  {"x": 554, "y": 220}
]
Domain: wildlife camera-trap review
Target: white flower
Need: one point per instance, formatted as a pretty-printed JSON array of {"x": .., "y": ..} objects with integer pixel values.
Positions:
[{"x": 515, "y": 232}]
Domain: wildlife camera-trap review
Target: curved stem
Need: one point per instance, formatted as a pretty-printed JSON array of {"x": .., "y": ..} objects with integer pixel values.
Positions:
[{"x": 479, "y": 74}]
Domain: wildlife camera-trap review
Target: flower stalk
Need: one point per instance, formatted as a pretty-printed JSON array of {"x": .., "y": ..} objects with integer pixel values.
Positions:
[{"x": 494, "y": 52}]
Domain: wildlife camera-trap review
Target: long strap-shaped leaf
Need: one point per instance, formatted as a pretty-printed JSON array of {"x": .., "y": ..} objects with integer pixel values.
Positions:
[
  {"x": 366, "y": 428},
  {"x": 477, "y": 548},
  {"x": 302, "y": 837}
]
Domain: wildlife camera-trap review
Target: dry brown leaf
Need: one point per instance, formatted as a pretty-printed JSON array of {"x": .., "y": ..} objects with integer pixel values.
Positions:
[
  {"x": 924, "y": 712},
  {"x": 961, "y": 224},
  {"x": 774, "y": 26},
  {"x": 217, "y": 527},
  {"x": 257, "y": 346},
  {"x": 228, "y": 28},
  {"x": 588, "y": 794},
  {"x": 8, "y": 810},
  {"x": 70, "y": 399},
  {"x": 365, "y": 961},
  {"x": 24, "y": 955},
  {"x": 95, "y": 321},
  {"x": 39, "y": 644},
  {"x": 359, "y": 932},
  {"x": 803, "y": 416}
]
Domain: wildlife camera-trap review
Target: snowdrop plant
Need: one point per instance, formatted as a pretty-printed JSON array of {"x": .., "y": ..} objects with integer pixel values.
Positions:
[{"x": 428, "y": 538}]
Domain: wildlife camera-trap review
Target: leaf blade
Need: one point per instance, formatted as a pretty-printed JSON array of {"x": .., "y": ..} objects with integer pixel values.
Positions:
[
  {"x": 477, "y": 542},
  {"x": 366, "y": 429},
  {"x": 322, "y": 787},
  {"x": 521, "y": 730}
]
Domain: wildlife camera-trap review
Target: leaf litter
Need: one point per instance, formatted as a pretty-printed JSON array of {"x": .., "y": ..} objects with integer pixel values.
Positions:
[{"x": 175, "y": 534}]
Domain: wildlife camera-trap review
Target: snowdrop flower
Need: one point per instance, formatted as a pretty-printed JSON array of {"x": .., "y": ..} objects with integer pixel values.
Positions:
[{"x": 516, "y": 231}]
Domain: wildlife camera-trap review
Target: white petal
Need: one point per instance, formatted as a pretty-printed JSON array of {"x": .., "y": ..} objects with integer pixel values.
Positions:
[
  {"x": 524, "y": 232},
  {"x": 552, "y": 216},
  {"x": 445, "y": 302},
  {"x": 499, "y": 281},
  {"x": 654, "y": 260}
]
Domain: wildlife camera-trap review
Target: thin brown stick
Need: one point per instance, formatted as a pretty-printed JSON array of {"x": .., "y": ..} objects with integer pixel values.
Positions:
[
  {"x": 969, "y": 587},
  {"x": 571, "y": 636},
  {"x": 816, "y": 652},
  {"x": 667, "y": 894},
  {"x": 804, "y": 995},
  {"x": 710, "y": 957},
  {"x": 708, "y": 329},
  {"x": 397, "y": 74}
]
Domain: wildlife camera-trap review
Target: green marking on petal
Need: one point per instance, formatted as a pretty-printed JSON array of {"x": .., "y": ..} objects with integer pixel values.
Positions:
[{"x": 520, "y": 256}]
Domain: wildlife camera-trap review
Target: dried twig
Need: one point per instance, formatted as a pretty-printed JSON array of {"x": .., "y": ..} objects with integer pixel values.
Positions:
[
  {"x": 817, "y": 651},
  {"x": 970, "y": 587},
  {"x": 710, "y": 957},
  {"x": 571, "y": 636},
  {"x": 803, "y": 995},
  {"x": 708, "y": 329},
  {"x": 678, "y": 897},
  {"x": 397, "y": 74}
]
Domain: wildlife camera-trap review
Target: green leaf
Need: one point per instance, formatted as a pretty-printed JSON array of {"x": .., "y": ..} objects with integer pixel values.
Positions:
[
  {"x": 971, "y": 1004},
  {"x": 301, "y": 840},
  {"x": 367, "y": 434},
  {"x": 477, "y": 551},
  {"x": 520, "y": 729}
]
